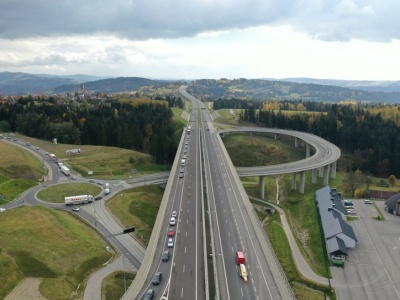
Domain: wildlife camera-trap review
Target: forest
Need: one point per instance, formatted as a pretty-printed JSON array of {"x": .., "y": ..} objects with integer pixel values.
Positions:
[
  {"x": 142, "y": 125},
  {"x": 370, "y": 133}
]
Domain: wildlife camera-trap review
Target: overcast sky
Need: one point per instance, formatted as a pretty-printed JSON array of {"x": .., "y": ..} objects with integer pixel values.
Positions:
[{"x": 332, "y": 39}]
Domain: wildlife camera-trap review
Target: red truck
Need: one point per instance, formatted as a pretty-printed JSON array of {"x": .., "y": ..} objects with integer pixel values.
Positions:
[{"x": 241, "y": 261}]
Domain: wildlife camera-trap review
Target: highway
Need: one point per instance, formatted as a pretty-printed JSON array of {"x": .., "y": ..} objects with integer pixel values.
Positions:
[
  {"x": 233, "y": 232},
  {"x": 233, "y": 223}
]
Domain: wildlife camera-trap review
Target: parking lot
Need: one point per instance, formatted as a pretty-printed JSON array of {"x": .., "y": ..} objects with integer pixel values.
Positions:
[{"x": 372, "y": 269}]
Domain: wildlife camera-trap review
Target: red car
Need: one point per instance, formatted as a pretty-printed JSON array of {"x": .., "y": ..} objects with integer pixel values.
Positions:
[{"x": 171, "y": 232}]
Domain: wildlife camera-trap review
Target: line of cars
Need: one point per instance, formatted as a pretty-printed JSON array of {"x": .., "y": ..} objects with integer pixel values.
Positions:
[
  {"x": 164, "y": 257},
  {"x": 183, "y": 161}
]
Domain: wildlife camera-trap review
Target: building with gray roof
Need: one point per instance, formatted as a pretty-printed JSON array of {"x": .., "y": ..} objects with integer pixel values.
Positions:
[
  {"x": 338, "y": 234},
  {"x": 392, "y": 205}
]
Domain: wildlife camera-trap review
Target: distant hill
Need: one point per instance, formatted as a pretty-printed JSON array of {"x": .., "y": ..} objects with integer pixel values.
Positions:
[
  {"x": 257, "y": 89},
  {"x": 114, "y": 85},
  {"x": 366, "y": 85},
  {"x": 260, "y": 89},
  {"x": 29, "y": 84}
]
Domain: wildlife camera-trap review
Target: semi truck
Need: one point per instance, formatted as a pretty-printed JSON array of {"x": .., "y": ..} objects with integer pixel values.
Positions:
[
  {"x": 65, "y": 170},
  {"x": 241, "y": 261},
  {"x": 82, "y": 199}
]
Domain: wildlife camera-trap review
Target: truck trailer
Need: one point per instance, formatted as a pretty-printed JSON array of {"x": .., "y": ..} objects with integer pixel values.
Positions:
[
  {"x": 82, "y": 199},
  {"x": 65, "y": 170},
  {"x": 241, "y": 261}
]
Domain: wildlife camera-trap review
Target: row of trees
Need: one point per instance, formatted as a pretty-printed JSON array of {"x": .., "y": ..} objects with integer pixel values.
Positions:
[
  {"x": 374, "y": 141},
  {"x": 147, "y": 127}
]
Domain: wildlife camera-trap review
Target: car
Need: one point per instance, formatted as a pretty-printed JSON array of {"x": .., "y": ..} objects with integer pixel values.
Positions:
[
  {"x": 184, "y": 156},
  {"x": 165, "y": 256},
  {"x": 172, "y": 221},
  {"x": 208, "y": 129},
  {"x": 186, "y": 143},
  {"x": 149, "y": 294},
  {"x": 47, "y": 153},
  {"x": 180, "y": 175},
  {"x": 170, "y": 243},
  {"x": 91, "y": 180},
  {"x": 37, "y": 148},
  {"x": 73, "y": 177},
  {"x": 76, "y": 209},
  {"x": 28, "y": 143},
  {"x": 171, "y": 232},
  {"x": 157, "y": 278},
  {"x": 366, "y": 201},
  {"x": 100, "y": 183},
  {"x": 98, "y": 198},
  {"x": 174, "y": 214}
]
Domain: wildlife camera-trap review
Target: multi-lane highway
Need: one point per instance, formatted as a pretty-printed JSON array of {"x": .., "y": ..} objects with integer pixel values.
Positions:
[
  {"x": 233, "y": 231},
  {"x": 232, "y": 221}
]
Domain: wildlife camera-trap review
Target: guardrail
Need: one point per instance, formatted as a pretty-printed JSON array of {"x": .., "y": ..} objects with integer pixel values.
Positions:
[
  {"x": 281, "y": 280},
  {"x": 136, "y": 287}
]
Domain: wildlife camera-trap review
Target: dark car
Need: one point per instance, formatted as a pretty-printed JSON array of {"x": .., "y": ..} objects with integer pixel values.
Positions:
[
  {"x": 165, "y": 256},
  {"x": 157, "y": 278},
  {"x": 98, "y": 198},
  {"x": 149, "y": 295}
]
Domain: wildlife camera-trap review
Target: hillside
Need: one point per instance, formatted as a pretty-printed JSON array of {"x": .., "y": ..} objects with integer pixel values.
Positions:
[
  {"x": 208, "y": 89},
  {"x": 260, "y": 89},
  {"x": 29, "y": 84},
  {"x": 114, "y": 85}
]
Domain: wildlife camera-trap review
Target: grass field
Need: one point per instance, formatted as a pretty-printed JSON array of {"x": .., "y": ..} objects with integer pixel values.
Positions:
[
  {"x": 19, "y": 171},
  {"x": 56, "y": 194},
  {"x": 113, "y": 286},
  {"x": 105, "y": 162},
  {"x": 248, "y": 150},
  {"x": 50, "y": 244},
  {"x": 138, "y": 208}
]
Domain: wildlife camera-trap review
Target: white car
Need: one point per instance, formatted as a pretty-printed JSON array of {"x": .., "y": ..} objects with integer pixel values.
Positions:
[
  {"x": 170, "y": 243},
  {"x": 366, "y": 201},
  {"x": 174, "y": 214},
  {"x": 76, "y": 209},
  {"x": 172, "y": 221}
]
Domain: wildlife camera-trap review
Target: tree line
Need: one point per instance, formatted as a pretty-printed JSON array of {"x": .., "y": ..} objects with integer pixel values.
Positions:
[
  {"x": 360, "y": 130},
  {"x": 142, "y": 126}
]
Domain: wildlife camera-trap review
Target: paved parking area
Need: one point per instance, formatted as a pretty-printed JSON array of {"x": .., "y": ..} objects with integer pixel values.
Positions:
[{"x": 372, "y": 269}]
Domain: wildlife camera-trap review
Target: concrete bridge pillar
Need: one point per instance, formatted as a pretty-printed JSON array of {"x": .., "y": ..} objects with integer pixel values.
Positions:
[
  {"x": 302, "y": 181},
  {"x": 314, "y": 176},
  {"x": 326, "y": 175},
  {"x": 262, "y": 187},
  {"x": 333, "y": 169},
  {"x": 321, "y": 172},
  {"x": 296, "y": 142},
  {"x": 307, "y": 150},
  {"x": 293, "y": 181}
]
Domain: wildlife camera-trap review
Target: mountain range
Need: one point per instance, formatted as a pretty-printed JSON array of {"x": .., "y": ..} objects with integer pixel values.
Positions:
[{"x": 267, "y": 88}]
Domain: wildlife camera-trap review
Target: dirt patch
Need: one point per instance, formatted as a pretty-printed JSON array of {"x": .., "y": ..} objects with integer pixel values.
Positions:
[{"x": 28, "y": 289}]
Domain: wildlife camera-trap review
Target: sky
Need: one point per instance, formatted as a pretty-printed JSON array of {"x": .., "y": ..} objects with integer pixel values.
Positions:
[{"x": 193, "y": 39}]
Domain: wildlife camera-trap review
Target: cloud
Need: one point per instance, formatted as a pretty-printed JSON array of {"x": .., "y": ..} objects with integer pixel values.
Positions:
[{"x": 149, "y": 19}]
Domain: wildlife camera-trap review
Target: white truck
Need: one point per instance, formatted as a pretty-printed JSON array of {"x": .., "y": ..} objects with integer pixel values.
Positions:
[
  {"x": 65, "y": 170},
  {"x": 82, "y": 199}
]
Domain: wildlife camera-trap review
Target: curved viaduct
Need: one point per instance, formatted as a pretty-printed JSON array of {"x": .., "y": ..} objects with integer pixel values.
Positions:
[{"x": 323, "y": 161}]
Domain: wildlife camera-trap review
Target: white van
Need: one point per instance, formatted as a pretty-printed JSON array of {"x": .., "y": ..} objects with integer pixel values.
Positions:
[{"x": 183, "y": 162}]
